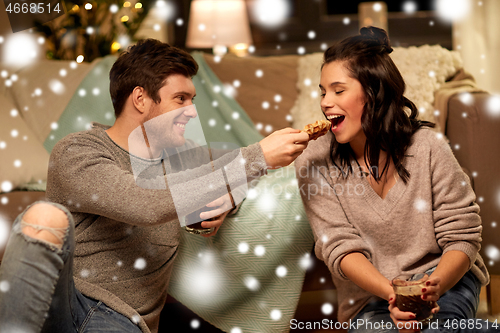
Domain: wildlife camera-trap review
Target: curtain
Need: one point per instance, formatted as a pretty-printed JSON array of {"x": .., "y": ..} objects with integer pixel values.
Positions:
[{"x": 477, "y": 38}]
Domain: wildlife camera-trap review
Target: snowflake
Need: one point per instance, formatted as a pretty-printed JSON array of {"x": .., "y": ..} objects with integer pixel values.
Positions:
[
  {"x": 5, "y": 201},
  {"x": 277, "y": 98},
  {"x": 13, "y": 113},
  {"x": 4, "y": 286},
  {"x": 409, "y": 7},
  {"x": 217, "y": 89},
  {"x": 54, "y": 126},
  {"x": 179, "y": 22},
  {"x": 466, "y": 98},
  {"x": 281, "y": 271},
  {"x": 301, "y": 50},
  {"x": 421, "y": 205},
  {"x": 322, "y": 280},
  {"x": 82, "y": 92},
  {"x": 195, "y": 324},
  {"x": 492, "y": 252},
  {"x": 259, "y": 126},
  {"x": 314, "y": 94},
  {"x": 215, "y": 104},
  {"x": 235, "y": 115},
  {"x": 251, "y": 283},
  {"x": 305, "y": 261},
  {"x": 493, "y": 106},
  {"x": 236, "y": 330},
  {"x": 265, "y": 105},
  {"x": 259, "y": 250},
  {"x": 17, "y": 163},
  {"x": 311, "y": 34},
  {"x": 259, "y": 73},
  {"x": 14, "y": 133},
  {"x": 275, "y": 314},
  {"x": 307, "y": 82},
  {"x": 140, "y": 264},
  {"x": 136, "y": 319},
  {"x": 243, "y": 247},
  {"x": 236, "y": 83},
  {"x": 57, "y": 87},
  {"x": 6, "y": 186},
  {"x": 212, "y": 122},
  {"x": 268, "y": 128},
  {"x": 4, "y": 230},
  {"x": 493, "y": 224},
  {"x": 327, "y": 308},
  {"x": 346, "y": 21},
  {"x": 84, "y": 273},
  {"x": 351, "y": 301}
]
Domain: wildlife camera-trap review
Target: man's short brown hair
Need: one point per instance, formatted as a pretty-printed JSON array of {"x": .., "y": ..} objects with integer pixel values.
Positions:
[{"x": 147, "y": 64}]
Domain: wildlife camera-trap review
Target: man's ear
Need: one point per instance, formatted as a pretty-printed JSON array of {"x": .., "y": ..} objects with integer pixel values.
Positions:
[{"x": 139, "y": 99}]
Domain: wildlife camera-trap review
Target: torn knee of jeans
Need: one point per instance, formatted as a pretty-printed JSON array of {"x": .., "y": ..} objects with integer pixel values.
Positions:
[{"x": 58, "y": 233}]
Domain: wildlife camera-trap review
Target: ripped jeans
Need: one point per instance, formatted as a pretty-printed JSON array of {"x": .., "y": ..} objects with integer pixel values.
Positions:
[{"x": 37, "y": 291}]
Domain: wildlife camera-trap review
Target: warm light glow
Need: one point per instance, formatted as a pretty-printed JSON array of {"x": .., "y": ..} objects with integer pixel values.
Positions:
[
  {"x": 79, "y": 59},
  {"x": 88, "y": 6},
  {"x": 124, "y": 18},
  {"x": 223, "y": 22},
  {"x": 75, "y": 8},
  {"x": 138, "y": 5},
  {"x": 126, "y": 4},
  {"x": 115, "y": 46}
]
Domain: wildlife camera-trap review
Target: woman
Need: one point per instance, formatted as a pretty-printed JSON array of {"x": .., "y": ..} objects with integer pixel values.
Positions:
[{"x": 385, "y": 195}]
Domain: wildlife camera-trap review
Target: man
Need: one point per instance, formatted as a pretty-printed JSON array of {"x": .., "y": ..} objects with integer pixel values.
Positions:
[{"x": 109, "y": 269}]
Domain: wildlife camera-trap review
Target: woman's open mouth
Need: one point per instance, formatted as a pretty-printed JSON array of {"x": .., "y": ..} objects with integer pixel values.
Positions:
[{"x": 336, "y": 120}]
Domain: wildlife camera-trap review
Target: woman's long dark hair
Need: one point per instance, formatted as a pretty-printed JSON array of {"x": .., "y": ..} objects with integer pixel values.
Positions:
[{"x": 385, "y": 122}]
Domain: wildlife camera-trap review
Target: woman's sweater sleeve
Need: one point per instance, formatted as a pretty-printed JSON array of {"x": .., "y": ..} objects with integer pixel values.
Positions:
[
  {"x": 335, "y": 236},
  {"x": 457, "y": 222}
]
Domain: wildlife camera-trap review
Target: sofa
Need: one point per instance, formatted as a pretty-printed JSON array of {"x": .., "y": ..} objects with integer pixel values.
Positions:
[{"x": 44, "y": 101}]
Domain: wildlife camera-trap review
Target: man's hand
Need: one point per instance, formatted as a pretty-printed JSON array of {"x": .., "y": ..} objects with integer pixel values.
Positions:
[
  {"x": 282, "y": 147},
  {"x": 216, "y": 222},
  {"x": 224, "y": 204}
]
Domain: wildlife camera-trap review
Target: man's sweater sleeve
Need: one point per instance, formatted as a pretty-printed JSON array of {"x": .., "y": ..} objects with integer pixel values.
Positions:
[
  {"x": 456, "y": 214},
  {"x": 334, "y": 236},
  {"x": 86, "y": 175}
]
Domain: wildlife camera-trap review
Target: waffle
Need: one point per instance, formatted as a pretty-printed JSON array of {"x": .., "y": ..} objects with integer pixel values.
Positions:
[{"x": 317, "y": 129}]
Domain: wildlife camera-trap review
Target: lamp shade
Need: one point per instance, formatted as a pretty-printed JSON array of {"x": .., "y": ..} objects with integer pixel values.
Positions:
[{"x": 218, "y": 22}]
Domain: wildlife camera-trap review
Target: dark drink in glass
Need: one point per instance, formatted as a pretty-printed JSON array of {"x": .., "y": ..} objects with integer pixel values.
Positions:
[
  {"x": 193, "y": 222},
  {"x": 408, "y": 290}
]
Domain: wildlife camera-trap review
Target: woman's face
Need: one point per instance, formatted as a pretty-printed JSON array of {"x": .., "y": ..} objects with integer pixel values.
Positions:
[{"x": 342, "y": 101}]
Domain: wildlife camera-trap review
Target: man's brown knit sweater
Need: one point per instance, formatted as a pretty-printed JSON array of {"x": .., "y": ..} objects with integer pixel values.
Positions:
[
  {"x": 407, "y": 231},
  {"x": 126, "y": 236}
]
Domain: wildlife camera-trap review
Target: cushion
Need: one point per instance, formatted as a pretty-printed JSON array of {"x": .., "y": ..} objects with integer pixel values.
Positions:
[
  {"x": 24, "y": 160},
  {"x": 42, "y": 93},
  {"x": 250, "y": 275}
]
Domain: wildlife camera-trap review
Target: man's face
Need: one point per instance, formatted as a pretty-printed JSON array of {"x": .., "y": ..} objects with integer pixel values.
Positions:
[{"x": 165, "y": 122}]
